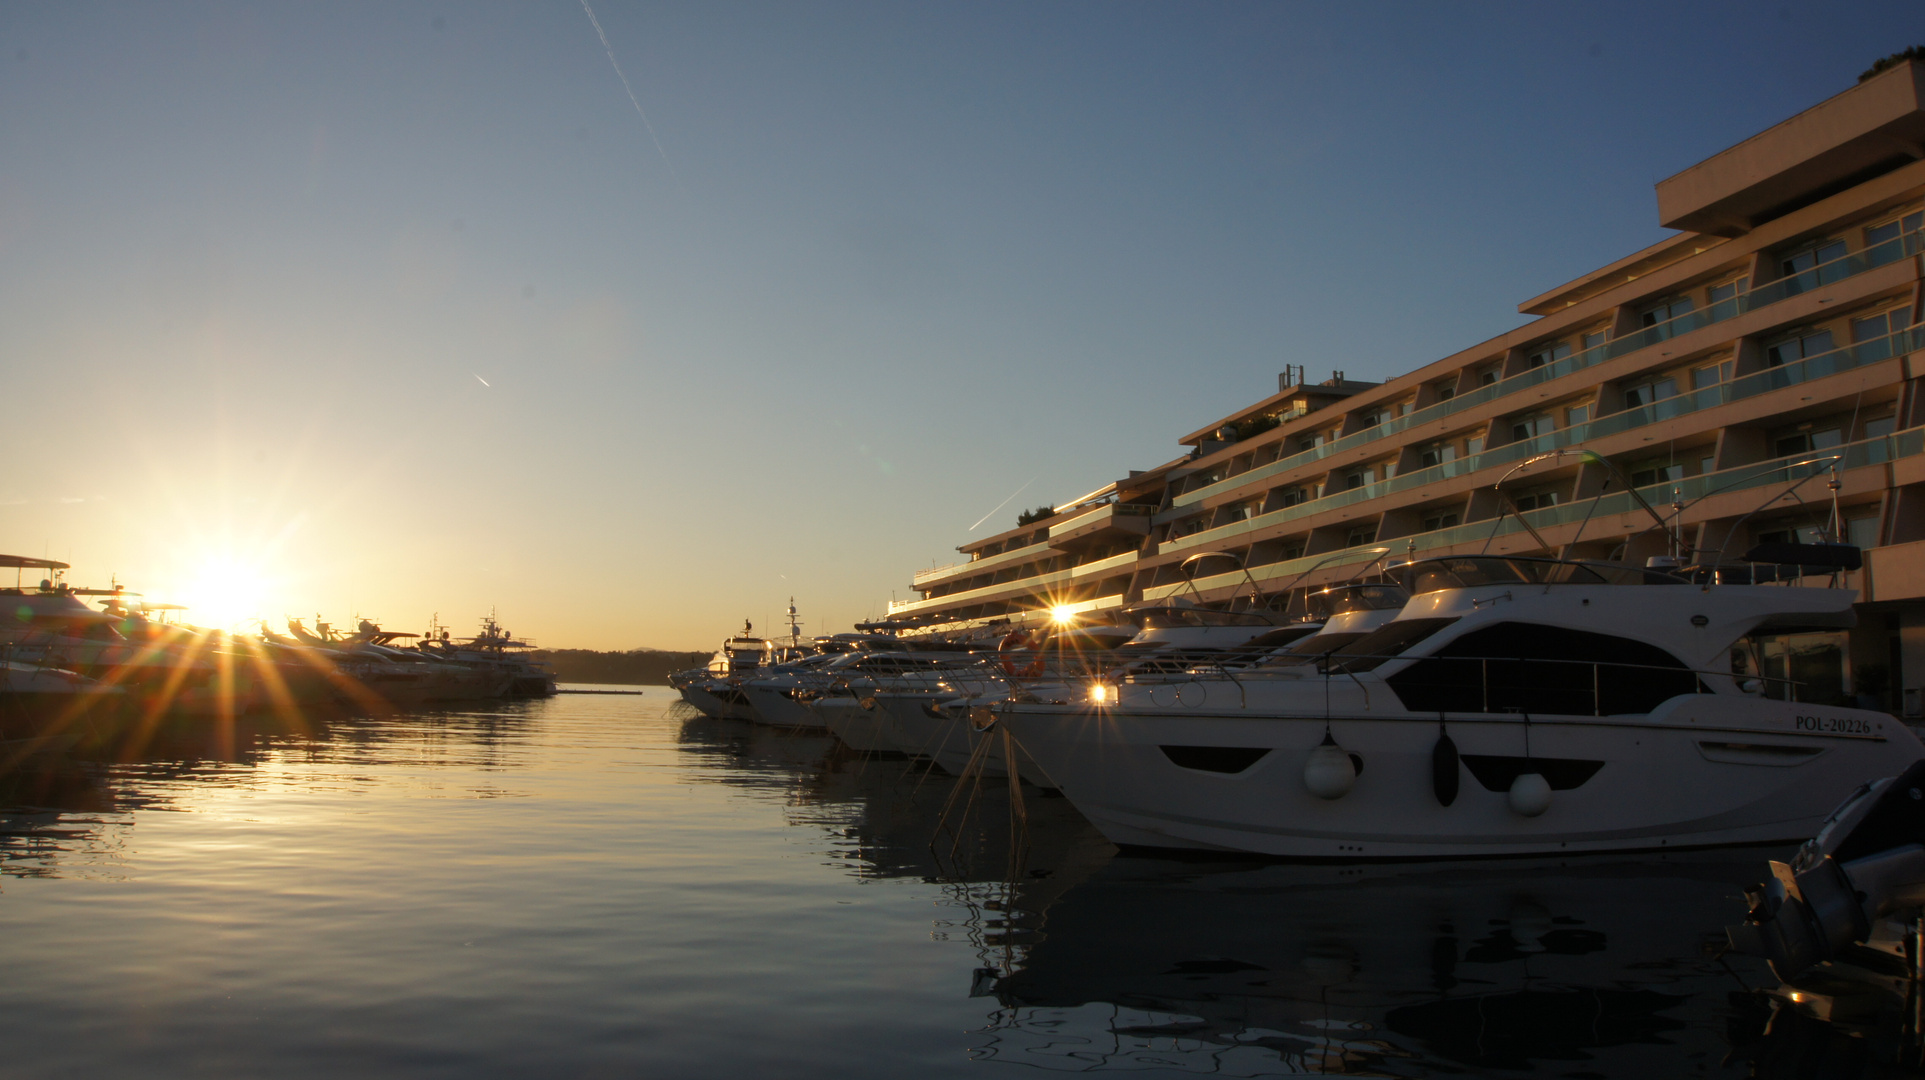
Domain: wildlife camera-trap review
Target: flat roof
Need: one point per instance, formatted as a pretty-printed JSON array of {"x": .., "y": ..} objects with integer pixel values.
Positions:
[
  {"x": 1846, "y": 139},
  {"x": 1344, "y": 389}
]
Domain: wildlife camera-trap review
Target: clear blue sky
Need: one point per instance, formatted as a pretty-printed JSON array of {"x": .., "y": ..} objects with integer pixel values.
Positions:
[{"x": 889, "y": 263}]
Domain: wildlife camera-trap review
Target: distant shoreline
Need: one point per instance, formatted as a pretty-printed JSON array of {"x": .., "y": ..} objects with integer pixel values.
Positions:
[{"x": 637, "y": 667}]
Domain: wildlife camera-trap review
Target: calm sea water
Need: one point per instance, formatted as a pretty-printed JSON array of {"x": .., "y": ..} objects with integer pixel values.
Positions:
[{"x": 615, "y": 886}]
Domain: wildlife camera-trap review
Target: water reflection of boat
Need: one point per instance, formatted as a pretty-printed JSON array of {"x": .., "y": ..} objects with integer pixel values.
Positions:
[
  {"x": 892, "y": 817},
  {"x": 1397, "y": 970}
]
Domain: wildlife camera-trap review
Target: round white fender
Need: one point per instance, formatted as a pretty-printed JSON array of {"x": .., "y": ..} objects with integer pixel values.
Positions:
[
  {"x": 1329, "y": 773},
  {"x": 1530, "y": 794}
]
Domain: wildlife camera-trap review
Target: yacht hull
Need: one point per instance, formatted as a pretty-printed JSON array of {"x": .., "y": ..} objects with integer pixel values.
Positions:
[
  {"x": 864, "y": 730},
  {"x": 775, "y": 707},
  {"x": 722, "y": 703},
  {"x": 1699, "y": 771},
  {"x": 950, "y": 741}
]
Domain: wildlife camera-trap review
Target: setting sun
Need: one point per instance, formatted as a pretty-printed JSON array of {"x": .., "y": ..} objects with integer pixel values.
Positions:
[{"x": 224, "y": 593}]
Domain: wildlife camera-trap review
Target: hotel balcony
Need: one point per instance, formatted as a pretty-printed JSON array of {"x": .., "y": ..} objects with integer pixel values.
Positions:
[
  {"x": 1598, "y": 435},
  {"x": 1811, "y": 289},
  {"x": 1866, "y": 467}
]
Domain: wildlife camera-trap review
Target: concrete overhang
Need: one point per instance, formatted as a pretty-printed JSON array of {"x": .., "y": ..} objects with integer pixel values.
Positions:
[
  {"x": 1672, "y": 249},
  {"x": 1847, "y": 139}
]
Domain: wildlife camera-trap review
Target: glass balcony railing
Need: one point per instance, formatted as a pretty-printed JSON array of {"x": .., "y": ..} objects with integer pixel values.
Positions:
[
  {"x": 1751, "y": 385},
  {"x": 1771, "y": 292},
  {"x": 1786, "y": 470}
]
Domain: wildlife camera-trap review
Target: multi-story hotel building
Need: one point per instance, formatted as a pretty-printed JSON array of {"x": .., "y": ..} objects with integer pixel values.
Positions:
[{"x": 1755, "y": 377}]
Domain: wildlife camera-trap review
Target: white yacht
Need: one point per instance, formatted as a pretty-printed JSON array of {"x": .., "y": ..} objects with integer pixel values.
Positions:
[
  {"x": 949, "y": 722},
  {"x": 717, "y": 689},
  {"x": 1513, "y": 706},
  {"x": 779, "y": 695},
  {"x": 852, "y": 707}
]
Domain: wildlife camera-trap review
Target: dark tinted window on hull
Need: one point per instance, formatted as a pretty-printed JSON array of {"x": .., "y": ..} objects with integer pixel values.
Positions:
[{"x": 1523, "y": 667}]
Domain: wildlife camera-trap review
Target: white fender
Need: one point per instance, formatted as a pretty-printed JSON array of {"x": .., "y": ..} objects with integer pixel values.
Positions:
[
  {"x": 1530, "y": 794},
  {"x": 1329, "y": 773}
]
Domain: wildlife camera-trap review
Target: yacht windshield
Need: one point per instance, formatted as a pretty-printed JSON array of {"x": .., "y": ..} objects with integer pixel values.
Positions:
[
  {"x": 1347, "y": 598},
  {"x": 1363, "y": 651},
  {"x": 1312, "y": 647}
]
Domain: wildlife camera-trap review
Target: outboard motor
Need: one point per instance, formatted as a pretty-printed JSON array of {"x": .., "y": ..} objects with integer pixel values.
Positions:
[{"x": 1866, "y": 863}]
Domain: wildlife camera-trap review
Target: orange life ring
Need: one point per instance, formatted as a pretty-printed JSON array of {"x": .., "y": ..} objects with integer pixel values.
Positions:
[{"x": 1021, "y": 640}]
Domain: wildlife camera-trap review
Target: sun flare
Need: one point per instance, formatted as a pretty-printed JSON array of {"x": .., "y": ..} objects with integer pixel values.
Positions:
[{"x": 225, "y": 593}]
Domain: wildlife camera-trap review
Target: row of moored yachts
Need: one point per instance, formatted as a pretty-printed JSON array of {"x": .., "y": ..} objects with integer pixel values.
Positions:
[
  {"x": 1458, "y": 707},
  {"x": 1450, "y": 707},
  {"x": 65, "y": 651}
]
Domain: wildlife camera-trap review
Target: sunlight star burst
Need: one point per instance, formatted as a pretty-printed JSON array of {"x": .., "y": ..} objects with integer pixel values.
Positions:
[{"x": 226, "y": 591}]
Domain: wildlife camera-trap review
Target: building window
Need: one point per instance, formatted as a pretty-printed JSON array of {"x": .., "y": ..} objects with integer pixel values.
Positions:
[
  {"x": 1660, "y": 315},
  {"x": 1291, "y": 497},
  {"x": 1372, "y": 419},
  {"x": 1797, "y": 348},
  {"x": 1880, "y": 427},
  {"x": 1724, "y": 291},
  {"x": 1474, "y": 446},
  {"x": 1531, "y": 427},
  {"x": 1435, "y": 522},
  {"x": 1536, "y": 500},
  {"x": 1797, "y": 534},
  {"x": 1355, "y": 480},
  {"x": 1361, "y": 535},
  {"x": 1647, "y": 393},
  {"x": 1711, "y": 375},
  {"x": 1595, "y": 338},
  {"x": 1549, "y": 354},
  {"x": 1889, "y": 231},
  {"x": 1646, "y": 473},
  {"x": 1293, "y": 549},
  {"x": 1814, "y": 667},
  {"x": 1446, "y": 391},
  {"x": 1707, "y": 464},
  {"x": 1786, "y": 444},
  {"x": 1861, "y": 532},
  {"x": 1873, "y": 327},
  {"x": 1803, "y": 269},
  {"x": 1487, "y": 376},
  {"x": 1436, "y": 454},
  {"x": 1576, "y": 415}
]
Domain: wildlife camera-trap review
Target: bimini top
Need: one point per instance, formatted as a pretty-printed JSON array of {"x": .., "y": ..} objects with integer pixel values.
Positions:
[
  {"x": 21, "y": 562},
  {"x": 1474, "y": 571}
]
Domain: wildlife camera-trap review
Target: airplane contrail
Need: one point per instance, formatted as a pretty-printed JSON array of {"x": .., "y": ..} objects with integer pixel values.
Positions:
[
  {"x": 1004, "y": 503},
  {"x": 484, "y": 382},
  {"x": 632, "y": 99}
]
